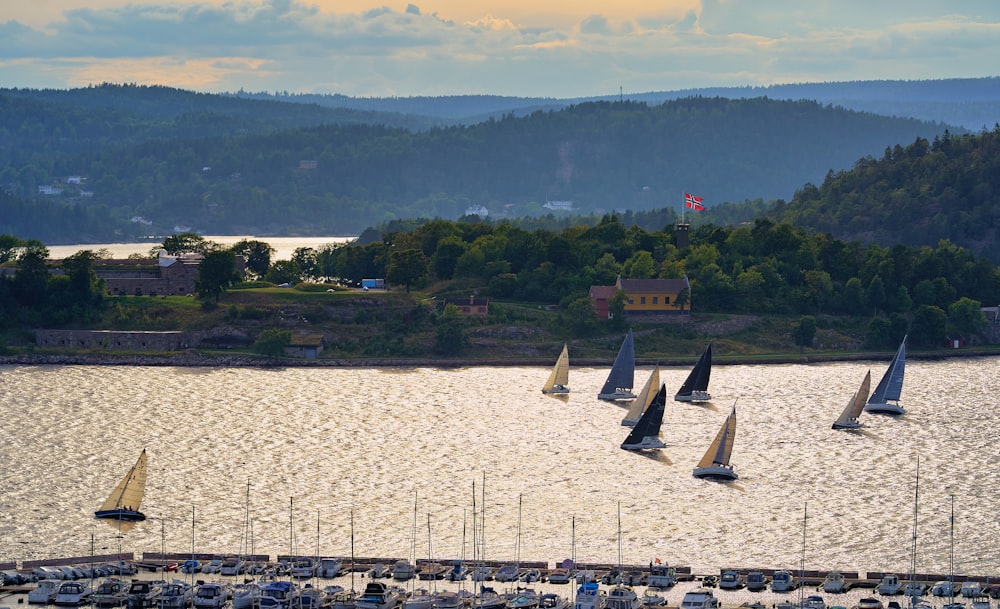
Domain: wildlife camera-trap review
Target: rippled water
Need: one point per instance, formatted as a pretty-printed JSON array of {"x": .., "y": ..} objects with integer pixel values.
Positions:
[{"x": 319, "y": 443}]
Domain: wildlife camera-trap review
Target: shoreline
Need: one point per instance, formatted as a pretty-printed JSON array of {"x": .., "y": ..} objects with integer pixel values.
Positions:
[{"x": 195, "y": 358}]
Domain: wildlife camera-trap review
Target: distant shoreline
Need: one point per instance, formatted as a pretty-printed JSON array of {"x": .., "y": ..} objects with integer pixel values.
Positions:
[{"x": 193, "y": 358}]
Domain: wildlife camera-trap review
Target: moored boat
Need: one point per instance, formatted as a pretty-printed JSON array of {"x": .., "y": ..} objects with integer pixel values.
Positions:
[
  {"x": 110, "y": 593},
  {"x": 73, "y": 594},
  {"x": 176, "y": 595}
]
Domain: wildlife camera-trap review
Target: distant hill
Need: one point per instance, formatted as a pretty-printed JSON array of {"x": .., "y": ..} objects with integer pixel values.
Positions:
[
  {"x": 248, "y": 170},
  {"x": 971, "y": 103},
  {"x": 947, "y": 188}
]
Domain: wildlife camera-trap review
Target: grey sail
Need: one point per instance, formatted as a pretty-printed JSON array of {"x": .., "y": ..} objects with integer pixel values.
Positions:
[
  {"x": 622, "y": 375},
  {"x": 695, "y": 387},
  {"x": 885, "y": 398}
]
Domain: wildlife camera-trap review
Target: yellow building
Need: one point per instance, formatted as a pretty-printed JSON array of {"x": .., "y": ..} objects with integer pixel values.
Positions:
[{"x": 644, "y": 296}]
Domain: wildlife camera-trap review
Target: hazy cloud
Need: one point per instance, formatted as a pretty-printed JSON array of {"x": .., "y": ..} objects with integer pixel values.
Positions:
[{"x": 295, "y": 46}]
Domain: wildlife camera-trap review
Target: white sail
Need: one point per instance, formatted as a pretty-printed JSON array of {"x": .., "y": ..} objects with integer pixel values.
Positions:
[
  {"x": 642, "y": 401},
  {"x": 124, "y": 501},
  {"x": 848, "y": 419},
  {"x": 559, "y": 377}
]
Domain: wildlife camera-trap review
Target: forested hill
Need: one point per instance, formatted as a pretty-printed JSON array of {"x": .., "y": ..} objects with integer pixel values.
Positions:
[
  {"x": 947, "y": 188},
  {"x": 339, "y": 179}
]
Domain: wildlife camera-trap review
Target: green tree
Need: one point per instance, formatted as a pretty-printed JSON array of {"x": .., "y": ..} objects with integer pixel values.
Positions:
[
  {"x": 876, "y": 293},
  {"x": 305, "y": 257},
  {"x": 272, "y": 342},
  {"x": 216, "y": 272},
  {"x": 854, "y": 297},
  {"x": 616, "y": 309},
  {"x": 30, "y": 286},
  {"x": 640, "y": 266},
  {"x": 184, "y": 243},
  {"x": 284, "y": 271},
  {"x": 580, "y": 315},
  {"x": 804, "y": 331},
  {"x": 966, "y": 316},
  {"x": 9, "y": 246},
  {"x": 929, "y": 327},
  {"x": 406, "y": 267},
  {"x": 449, "y": 336},
  {"x": 257, "y": 255}
]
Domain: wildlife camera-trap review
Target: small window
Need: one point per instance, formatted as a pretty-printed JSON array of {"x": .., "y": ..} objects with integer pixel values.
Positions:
[
  {"x": 631, "y": 301},
  {"x": 666, "y": 300},
  {"x": 642, "y": 300},
  {"x": 656, "y": 300}
]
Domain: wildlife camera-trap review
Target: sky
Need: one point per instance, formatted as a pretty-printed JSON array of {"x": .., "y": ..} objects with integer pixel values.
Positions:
[{"x": 540, "y": 48}]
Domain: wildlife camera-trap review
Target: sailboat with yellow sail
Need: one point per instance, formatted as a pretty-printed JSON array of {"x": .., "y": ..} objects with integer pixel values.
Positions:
[
  {"x": 124, "y": 501},
  {"x": 715, "y": 463},
  {"x": 643, "y": 400},
  {"x": 559, "y": 377}
]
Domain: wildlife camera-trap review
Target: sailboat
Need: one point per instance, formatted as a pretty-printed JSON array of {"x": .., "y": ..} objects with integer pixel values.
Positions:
[
  {"x": 622, "y": 375},
  {"x": 643, "y": 400},
  {"x": 646, "y": 433},
  {"x": 695, "y": 387},
  {"x": 123, "y": 503},
  {"x": 885, "y": 398},
  {"x": 848, "y": 419},
  {"x": 559, "y": 376},
  {"x": 715, "y": 463}
]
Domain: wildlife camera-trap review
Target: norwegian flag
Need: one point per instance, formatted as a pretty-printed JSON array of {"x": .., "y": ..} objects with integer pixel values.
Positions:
[{"x": 693, "y": 202}]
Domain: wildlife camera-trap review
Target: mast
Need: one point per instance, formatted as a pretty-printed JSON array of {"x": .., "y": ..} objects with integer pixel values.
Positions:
[
  {"x": 192, "y": 546},
  {"x": 352, "y": 550},
  {"x": 802, "y": 568},
  {"x": 913, "y": 545},
  {"x": 951, "y": 573}
]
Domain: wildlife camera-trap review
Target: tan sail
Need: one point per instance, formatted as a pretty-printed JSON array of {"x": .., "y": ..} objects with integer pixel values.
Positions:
[
  {"x": 128, "y": 494},
  {"x": 722, "y": 447},
  {"x": 856, "y": 406},
  {"x": 643, "y": 400},
  {"x": 559, "y": 377}
]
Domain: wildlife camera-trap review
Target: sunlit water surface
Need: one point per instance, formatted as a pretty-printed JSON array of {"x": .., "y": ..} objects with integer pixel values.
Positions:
[{"x": 317, "y": 444}]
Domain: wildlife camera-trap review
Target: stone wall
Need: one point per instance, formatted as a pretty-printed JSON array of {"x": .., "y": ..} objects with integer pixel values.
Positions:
[{"x": 113, "y": 340}]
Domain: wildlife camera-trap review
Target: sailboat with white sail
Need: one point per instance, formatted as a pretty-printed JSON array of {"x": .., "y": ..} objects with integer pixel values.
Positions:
[
  {"x": 695, "y": 387},
  {"x": 622, "y": 375},
  {"x": 559, "y": 377},
  {"x": 715, "y": 463},
  {"x": 646, "y": 433},
  {"x": 885, "y": 398},
  {"x": 642, "y": 401},
  {"x": 124, "y": 501},
  {"x": 848, "y": 419}
]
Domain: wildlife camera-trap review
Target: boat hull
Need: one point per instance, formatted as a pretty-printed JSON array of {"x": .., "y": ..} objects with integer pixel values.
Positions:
[
  {"x": 557, "y": 390},
  {"x": 121, "y": 514},
  {"x": 716, "y": 472},
  {"x": 883, "y": 408},
  {"x": 694, "y": 396},
  {"x": 848, "y": 425},
  {"x": 617, "y": 395},
  {"x": 647, "y": 443}
]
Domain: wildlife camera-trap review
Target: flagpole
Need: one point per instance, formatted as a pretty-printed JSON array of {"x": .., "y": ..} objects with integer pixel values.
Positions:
[{"x": 683, "y": 205}]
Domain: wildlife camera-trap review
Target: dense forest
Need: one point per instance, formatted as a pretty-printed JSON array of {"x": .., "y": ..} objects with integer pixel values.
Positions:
[
  {"x": 171, "y": 159},
  {"x": 947, "y": 188}
]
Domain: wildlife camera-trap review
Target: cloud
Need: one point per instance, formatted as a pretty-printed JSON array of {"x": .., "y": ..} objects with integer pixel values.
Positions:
[{"x": 295, "y": 46}]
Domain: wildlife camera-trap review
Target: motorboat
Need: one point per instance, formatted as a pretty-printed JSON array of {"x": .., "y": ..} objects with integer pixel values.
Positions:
[
  {"x": 448, "y": 599},
  {"x": 488, "y": 598},
  {"x": 303, "y": 568},
  {"x": 379, "y": 570},
  {"x": 653, "y": 597},
  {"x": 550, "y": 600},
  {"x": 212, "y": 566},
  {"x": 175, "y": 595},
  {"x": 730, "y": 580},
  {"x": 481, "y": 573},
  {"x": 623, "y": 597},
  {"x": 590, "y": 596},
  {"x": 73, "y": 594},
  {"x": 245, "y": 595},
  {"x": 915, "y": 589},
  {"x": 403, "y": 570},
  {"x": 233, "y": 565},
  {"x": 834, "y": 583},
  {"x": 944, "y": 588},
  {"x": 458, "y": 572},
  {"x": 585, "y": 575},
  {"x": 661, "y": 576},
  {"x": 278, "y": 595},
  {"x": 142, "y": 594},
  {"x": 890, "y": 585},
  {"x": 559, "y": 576},
  {"x": 756, "y": 581},
  {"x": 869, "y": 602},
  {"x": 432, "y": 571},
  {"x": 379, "y": 596},
  {"x": 110, "y": 593},
  {"x": 344, "y": 599},
  {"x": 529, "y": 576},
  {"x": 309, "y": 597},
  {"x": 330, "y": 567},
  {"x": 211, "y": 595},
  {"x": 699, "y": 598},
  {"x": 419, "y": 599},
  {"x": 45, "y": 592},
  {"x": 190, "y": 566},
  {"x": 814, "y": 601},
  {"x": 507, "y": 573},
  {"x": 782, "y": 581},
  {"x": 45, "y": 572},
  {"x": 523, "y": 599},
  {"x": 972, "y": 589}
]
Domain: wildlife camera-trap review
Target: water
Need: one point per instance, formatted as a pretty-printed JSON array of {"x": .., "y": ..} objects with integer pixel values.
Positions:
[
  {"x": 284, "y": 246},
  {"x": 319, "y": 443}
]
